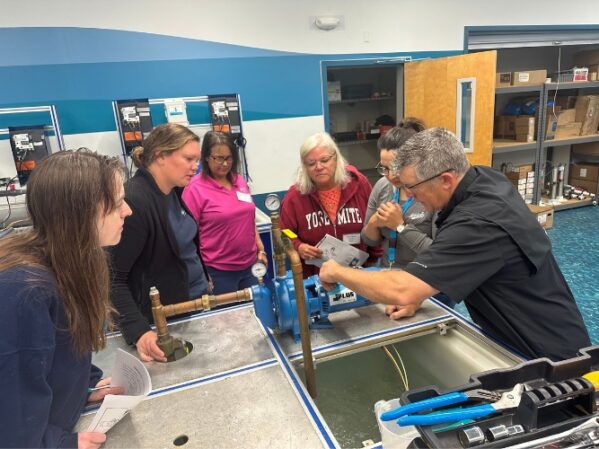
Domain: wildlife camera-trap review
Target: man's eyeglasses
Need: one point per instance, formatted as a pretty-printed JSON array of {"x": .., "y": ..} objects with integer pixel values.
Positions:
[
  {"x": 220, "y": 160},
  {"x": 382, "y": 170},
  {"x": 413, "y": 186},
  {"x": 322, "y": 161}
]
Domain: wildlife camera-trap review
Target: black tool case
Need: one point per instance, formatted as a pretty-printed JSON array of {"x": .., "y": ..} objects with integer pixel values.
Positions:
[{"x": 558, "y": 399}]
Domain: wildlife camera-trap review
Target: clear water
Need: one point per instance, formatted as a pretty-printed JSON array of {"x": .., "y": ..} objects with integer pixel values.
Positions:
[{"x": 575, "y": 240}]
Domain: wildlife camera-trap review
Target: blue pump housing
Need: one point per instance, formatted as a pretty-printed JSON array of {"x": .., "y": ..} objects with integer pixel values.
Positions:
[{"x": 275, "y": 303}]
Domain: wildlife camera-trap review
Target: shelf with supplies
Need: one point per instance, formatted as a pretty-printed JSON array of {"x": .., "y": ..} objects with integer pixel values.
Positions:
[
  {"x": 362, "y": 100},
  {"x": 571, "y": 140},
  {"x": 536, "y": 88},
  {"x": 501, "y": 146},
  {"x": 568, "y": 204}
]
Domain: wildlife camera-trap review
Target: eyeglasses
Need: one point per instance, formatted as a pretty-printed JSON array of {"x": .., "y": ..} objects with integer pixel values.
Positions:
[
  {"x": 322, "y": 161},
  {"x": 382, "y": 170},
  {"x": 413, "y": 186},
  {"x": 220, "y": 160}
]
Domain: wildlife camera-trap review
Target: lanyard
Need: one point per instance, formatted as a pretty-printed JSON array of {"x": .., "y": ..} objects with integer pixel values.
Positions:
[{"x": 393, "y": 232}]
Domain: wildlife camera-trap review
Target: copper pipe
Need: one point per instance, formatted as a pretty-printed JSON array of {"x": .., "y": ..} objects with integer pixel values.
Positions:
[
  {"x": 175, "y": 348},
  {"x": 158, "y": 313},
  {"x": 207, "y": 302},
  {"x": 302, "y": 312},
  {"x": 279, "y": 255}
]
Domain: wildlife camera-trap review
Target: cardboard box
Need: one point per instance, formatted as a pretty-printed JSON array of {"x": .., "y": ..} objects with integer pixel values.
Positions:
[
  {"x": 566, "y": 102},
  {"x": 589, "y": 171},
  {"x": 587, "y": 149},
  {"x": 525, "y": 128},
  {"x": 520, "y": 128},
  {"x": 504, "y": 79},
  {"x": 543, "y": 213},
  {"x": 529, "y": 77},
  {"x": 568, "y": 130},
  {"x": 585, "y": 184},
  {"x": 587, "y": 112},
  {"x": 334, "y": 90},
  {"x": 561, "y": 117}
]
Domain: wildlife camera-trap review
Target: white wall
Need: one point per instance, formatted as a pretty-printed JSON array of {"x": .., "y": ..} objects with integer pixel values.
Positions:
[{"x": 367, "y": 26}]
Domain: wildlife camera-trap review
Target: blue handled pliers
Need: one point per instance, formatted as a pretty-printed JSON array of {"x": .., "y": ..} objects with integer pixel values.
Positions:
[{"x": 500, "y": 401}]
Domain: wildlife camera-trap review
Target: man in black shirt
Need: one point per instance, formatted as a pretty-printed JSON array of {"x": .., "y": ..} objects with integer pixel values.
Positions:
[{"x": 489, "y": 250}]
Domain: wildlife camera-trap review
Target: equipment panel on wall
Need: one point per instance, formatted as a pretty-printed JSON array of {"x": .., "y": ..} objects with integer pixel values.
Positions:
[
  {"x": 225, "y": 114},
  {"x": 29, "y": 146},
  {"x": 135, "y": 122}
]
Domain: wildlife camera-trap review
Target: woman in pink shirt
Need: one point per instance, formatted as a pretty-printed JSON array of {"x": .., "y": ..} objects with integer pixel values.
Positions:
[{"x": 220, "y": 201}]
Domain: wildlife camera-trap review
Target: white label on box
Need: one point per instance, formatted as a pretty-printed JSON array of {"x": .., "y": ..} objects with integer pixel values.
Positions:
[
  {"x": 521, "y": 181},
  {"x": 583, "y": 172},
  {"x": 542, "y": 218},
  {"x": 530, "y": 174},
  {"x": 523, "y": 77}
]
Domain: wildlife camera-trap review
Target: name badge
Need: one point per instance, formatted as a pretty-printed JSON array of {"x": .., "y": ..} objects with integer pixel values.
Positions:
[
  {"x": 352, "y": 239},
  {"x": 246, "y": 197}
]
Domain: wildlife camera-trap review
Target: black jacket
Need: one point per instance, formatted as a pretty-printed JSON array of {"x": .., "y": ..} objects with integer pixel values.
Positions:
[
  {"x": 491, "y": 251},
  {"x": 147, "y": 255}
]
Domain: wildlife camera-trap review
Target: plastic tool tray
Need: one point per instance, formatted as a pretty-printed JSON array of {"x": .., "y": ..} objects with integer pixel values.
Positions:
[{"x": 555, "y": 400}]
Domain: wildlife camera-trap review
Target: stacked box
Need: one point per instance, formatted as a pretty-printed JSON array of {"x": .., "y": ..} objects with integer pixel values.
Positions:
[
  {"x": 523, "y": 178},
  {"x": 520, "y": 128},
  {"x": 585, "y": 176},
  {"x": 587, "y": 113},
  {"x": 544, "y": 214}
]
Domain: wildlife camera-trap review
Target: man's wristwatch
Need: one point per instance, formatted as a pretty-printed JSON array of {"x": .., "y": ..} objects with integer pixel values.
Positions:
[{"x": 400, "y": 228}]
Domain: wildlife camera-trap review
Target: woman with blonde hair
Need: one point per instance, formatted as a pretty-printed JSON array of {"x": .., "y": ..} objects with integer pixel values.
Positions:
[
  {"x": 328, "y": 197},
  {"x": 54, "y": 293},
  {"x": 161, "y": 240}
]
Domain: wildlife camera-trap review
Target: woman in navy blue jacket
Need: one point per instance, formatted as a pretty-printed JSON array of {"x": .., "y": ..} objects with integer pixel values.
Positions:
[{"x": 54, "y": 295}]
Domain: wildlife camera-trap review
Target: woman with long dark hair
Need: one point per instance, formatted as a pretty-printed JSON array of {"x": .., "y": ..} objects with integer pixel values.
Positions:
[{"x": 54, "y": 295}]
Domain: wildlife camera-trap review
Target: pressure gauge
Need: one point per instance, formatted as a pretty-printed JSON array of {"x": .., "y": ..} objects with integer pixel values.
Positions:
[
  {"x": 272, "y": 202},
  {"x": 259, "y": 270}
]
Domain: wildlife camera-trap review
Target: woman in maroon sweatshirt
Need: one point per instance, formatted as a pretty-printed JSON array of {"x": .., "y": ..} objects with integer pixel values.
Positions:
[{"x": 328, "y": 197}]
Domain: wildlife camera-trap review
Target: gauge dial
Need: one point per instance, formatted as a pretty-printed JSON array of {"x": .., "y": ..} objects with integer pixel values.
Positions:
[
  {"x": 259, "y": 270},
  {"x": 272, "y": 202}
]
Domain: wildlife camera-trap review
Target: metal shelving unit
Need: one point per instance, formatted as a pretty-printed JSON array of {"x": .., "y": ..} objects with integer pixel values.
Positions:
[
  {"x": 545, "y": 144},
  {"x": 504, "y": 146}
]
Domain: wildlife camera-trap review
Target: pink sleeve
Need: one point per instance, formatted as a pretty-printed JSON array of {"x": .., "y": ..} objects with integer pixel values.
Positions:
[{"x": 191, "y": 196}]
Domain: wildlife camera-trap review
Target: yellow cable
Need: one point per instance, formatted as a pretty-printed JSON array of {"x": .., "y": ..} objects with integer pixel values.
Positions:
[
  {"x": 396, "y": 365},
  {"x": 405, "y": 372}
]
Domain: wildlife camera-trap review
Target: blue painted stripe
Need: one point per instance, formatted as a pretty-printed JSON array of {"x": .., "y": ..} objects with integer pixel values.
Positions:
[
  {"x": 199, "y": 381},
  {"x": 70, "y": 45},
  {"x": 82, "y": 84},
  {"x": 300, "y": 390}
]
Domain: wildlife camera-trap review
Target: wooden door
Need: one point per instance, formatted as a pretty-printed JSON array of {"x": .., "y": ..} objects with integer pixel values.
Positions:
[{"x": 431, "y": 94}]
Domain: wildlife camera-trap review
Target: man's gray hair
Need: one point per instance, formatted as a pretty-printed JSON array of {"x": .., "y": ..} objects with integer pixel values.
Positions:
[
  {"x": 430, "y": 152},
  {"x": 303, "y": 181}
]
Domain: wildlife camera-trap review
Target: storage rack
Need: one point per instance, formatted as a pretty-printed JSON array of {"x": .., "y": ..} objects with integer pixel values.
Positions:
[
  {"x": 541, "y": 144},
  {"x": 545, "y": 144}
]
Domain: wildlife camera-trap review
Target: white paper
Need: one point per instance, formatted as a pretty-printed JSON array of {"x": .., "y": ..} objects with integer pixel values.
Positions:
[
  {"x": 131, "y": 374},
  {"x": 341, "y": 252}
]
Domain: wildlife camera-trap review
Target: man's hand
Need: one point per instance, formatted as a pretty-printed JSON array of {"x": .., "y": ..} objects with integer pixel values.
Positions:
[
  {"x": 390, "y": 215},
  {"x": 327, "y": 274},
  {"x": 148, "y": 349},
  {"x": 395, "y": 312},
  {"x": 90, "y": 440},
  {"x": 309, "y": 252}
]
